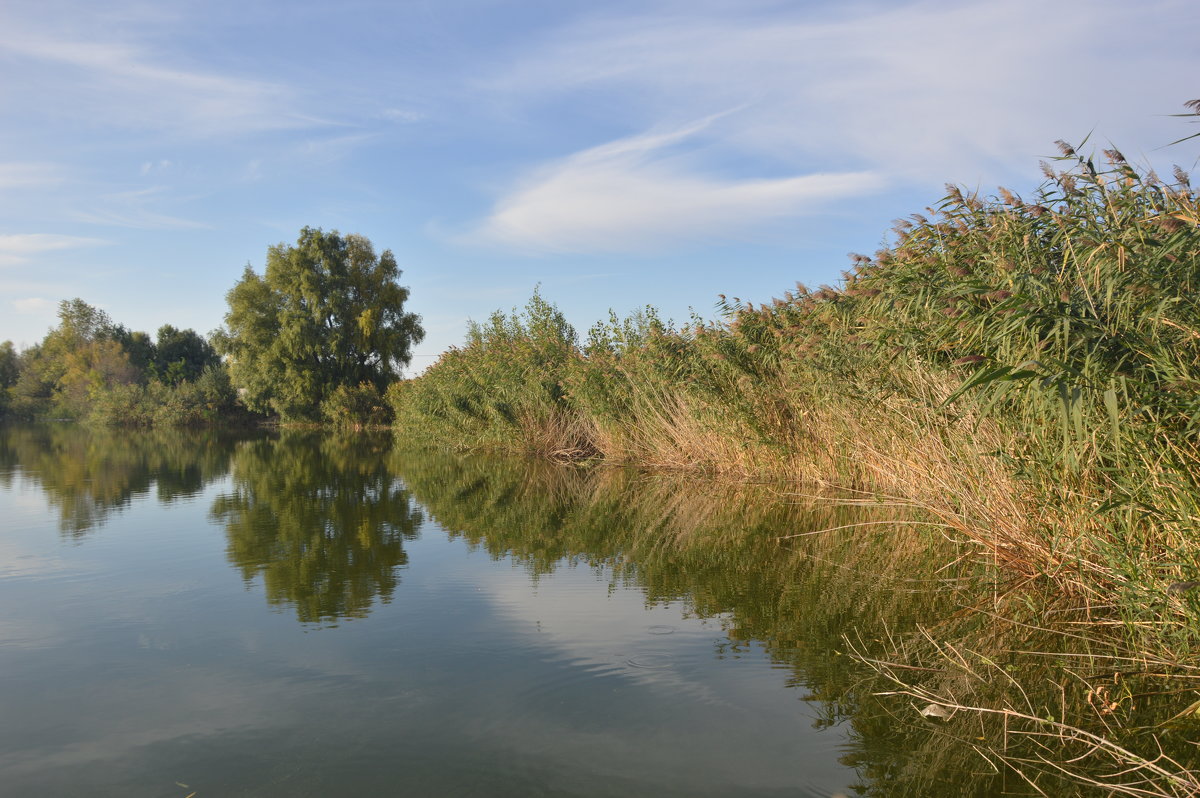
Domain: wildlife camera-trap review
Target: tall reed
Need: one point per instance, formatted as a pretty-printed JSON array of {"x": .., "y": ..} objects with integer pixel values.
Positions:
[{"x": 1026, "y": 369}]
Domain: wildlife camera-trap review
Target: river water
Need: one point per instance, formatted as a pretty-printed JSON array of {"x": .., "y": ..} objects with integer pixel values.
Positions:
[{"x": 209, "y": 614}]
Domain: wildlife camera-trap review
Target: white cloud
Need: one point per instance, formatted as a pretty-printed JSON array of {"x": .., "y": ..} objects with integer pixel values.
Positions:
[
  {"x": 924, "y": 89},
  {"x": 637, "y": 193},
  {"x": 330, "y": 149},
  {"x": 106, "y": 80},
  {"x": 406, "y": 115},
  {"x": 34, "y": 306},
  {"x": 29, "y": 175},
  {"x": 832, "y": 103},
  {"x": 20, "y": 248},
  {"x": 137, "y": 209},
  {"x": 150, "y": 167}
]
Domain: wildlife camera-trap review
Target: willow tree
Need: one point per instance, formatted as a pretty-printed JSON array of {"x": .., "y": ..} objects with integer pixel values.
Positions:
[{"x": 328, "y": 312}]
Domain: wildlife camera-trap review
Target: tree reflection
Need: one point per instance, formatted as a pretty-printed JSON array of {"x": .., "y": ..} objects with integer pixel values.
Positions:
[
  {"x": 87, "y": 474},
  {"x": 321, "y": 519}
]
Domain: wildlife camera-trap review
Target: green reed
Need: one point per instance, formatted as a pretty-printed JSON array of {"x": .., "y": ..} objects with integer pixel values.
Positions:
[
  {"x": 1026, "y": 369},
  {"x": 502, "y": 389}
]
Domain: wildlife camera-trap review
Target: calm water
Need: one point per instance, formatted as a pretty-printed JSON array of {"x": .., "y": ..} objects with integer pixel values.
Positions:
[{"x": 194, "y": 613}]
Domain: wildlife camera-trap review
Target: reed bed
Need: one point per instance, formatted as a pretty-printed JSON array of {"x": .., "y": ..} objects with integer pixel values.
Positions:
[{"x": 1027, "y": 370}]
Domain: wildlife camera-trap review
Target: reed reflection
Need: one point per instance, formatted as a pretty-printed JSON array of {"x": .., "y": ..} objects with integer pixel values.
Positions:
[
  {"x": 897, "y": 595},
  {"x": 321, "y": 519},
  {"x": 728, "y": 553}
]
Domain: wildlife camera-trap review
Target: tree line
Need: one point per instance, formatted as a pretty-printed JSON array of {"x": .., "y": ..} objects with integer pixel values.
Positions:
[{"x": 318, "y": 337}]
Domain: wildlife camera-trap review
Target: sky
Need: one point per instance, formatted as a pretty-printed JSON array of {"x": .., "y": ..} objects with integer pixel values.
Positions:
[{"x": 617, "y": 154}]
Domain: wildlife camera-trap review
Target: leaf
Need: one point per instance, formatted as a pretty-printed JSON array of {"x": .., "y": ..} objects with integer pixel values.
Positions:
[
  {"x": 938, "y": 711},
  {"x": 981, "y": 377},
  {"x": 1191, "y": 712},
  {"x": 1114, "y": 417}
]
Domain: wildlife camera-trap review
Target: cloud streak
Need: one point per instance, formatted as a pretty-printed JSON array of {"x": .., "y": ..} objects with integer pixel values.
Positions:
[
  {"x": 638, "y": 194},
  {"x": 29, "y": 175},
  {"x": 130, "y": 86},
  {"x": 829, "y": 105},
  {"x": 22, "y": 247},
  {"x": 911, "y": 88},
  {"x": 135, "y": 209}
]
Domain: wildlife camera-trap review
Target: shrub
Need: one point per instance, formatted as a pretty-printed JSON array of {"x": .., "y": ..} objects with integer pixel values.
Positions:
[{"x": 356, "y": 407}]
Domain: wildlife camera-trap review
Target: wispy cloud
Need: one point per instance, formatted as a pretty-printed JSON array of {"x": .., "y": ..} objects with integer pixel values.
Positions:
[
  {"x": 923, "y": 89},
  {"x": 640, "y": 193},
  {"x": 404, "y": 115},
  {"x": 153, "y": 167},
  {"x": 29, "y": 175},
  {"x": 128, "y": 84},
  {"x": 830, "y": 104},
  {"x": 139, "y": 209},
  {"x": 330, "y": 149},
  {"x": 22, "y": 247},
  {"x": 33, "y": 306}
]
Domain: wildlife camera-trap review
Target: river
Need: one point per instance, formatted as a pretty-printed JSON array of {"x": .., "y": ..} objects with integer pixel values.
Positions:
[{"x": 196, "y": 613}]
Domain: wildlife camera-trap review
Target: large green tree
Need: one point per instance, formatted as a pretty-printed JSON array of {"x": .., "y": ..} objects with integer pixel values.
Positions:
[{"x": 328, "y": 312}]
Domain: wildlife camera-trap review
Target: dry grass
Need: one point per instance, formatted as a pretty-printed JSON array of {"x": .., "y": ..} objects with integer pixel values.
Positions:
[{"x": 1089, "y": 718}]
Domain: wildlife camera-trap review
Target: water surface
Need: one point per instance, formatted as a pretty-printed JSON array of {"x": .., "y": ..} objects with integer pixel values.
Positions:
[{"x": 208, "y": 614}]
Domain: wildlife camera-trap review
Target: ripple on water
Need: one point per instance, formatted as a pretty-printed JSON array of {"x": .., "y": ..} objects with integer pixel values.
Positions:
[{"x": 651, "y": 660}]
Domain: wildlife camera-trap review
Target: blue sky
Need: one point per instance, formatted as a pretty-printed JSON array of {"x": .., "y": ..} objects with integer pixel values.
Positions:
[{"x": 616, "y": 153}]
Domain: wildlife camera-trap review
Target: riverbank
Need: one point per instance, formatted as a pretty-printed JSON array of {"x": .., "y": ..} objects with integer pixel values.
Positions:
[{"x": 1025, "y": 371}]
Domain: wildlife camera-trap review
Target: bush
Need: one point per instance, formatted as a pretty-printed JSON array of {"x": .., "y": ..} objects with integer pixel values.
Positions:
[
  {"x": 356, "y": 407},
  {"x": 504, "y": 388},
  {"x": 206, "y": 400}
]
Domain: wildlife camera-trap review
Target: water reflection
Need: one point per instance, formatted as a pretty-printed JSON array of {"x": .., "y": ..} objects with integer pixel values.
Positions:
[
  {"x": 321, "y": 519},
  {"x": 741, "y": 554},
  {"x": 87, "y": 474},
  {"x": 728, "y": 553},
  {"x": 324, "y": 521}
]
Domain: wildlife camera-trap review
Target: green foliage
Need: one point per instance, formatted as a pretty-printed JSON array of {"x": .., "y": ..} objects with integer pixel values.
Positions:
[
  {"x": 79, "y": 321},
  {"x": 138, "y": 346},
  {"x": 9, "y": 365},
  {"x": 29, "y": 396},
  {"x": 327, "y": 313},
  {"x": 89, "y": 370},
  {"x": 93, "y": 370},
  {"x": 1068, "y": 321},
  {"x": 504, "y": 386},
  {"x": 10, "y": 372},
  {"x": 321, "y": 520},
  {"x": 76, "y": 361},
  {"x": 356, "y": 407},
  {"x": 181, "y": 355},
  {"x": 206, "y": 400}
]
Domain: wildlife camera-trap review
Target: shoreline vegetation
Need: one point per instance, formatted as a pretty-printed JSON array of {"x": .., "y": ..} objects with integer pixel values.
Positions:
[
  {"x": 1025, "y": 370},
  {"x": 1022, "y": 372}
]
